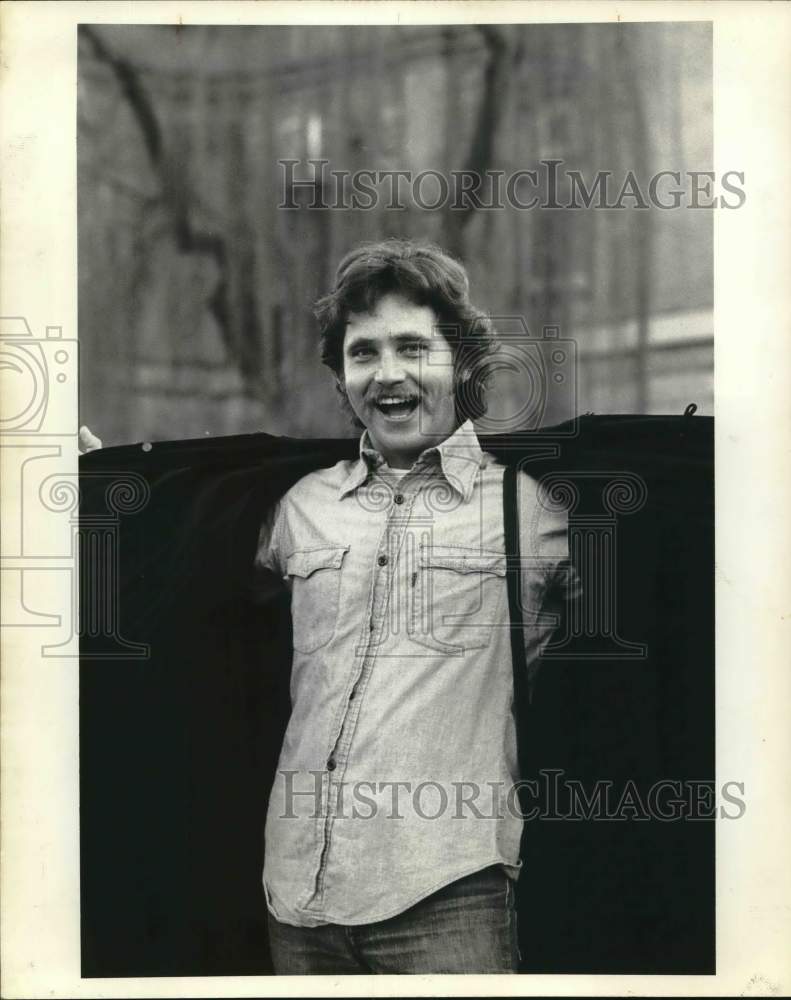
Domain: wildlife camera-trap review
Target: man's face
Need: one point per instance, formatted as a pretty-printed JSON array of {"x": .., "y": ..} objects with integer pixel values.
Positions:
[{"x": 398, "y": 373}]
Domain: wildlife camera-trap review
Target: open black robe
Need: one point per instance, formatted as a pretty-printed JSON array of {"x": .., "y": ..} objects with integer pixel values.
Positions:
[{"x": 184, "y": 702}]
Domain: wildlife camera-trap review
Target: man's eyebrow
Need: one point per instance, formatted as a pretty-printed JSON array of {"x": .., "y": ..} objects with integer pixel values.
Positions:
[
  {"x": 411, "y": 335},
  {"x": 402, "y": 337},
  {"x": 352, "y": 342}
]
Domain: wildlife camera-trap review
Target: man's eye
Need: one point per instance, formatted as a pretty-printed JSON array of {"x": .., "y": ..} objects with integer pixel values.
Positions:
[
  {"x": 361, "y": 352},
  {"x": 415, "y": 348}
]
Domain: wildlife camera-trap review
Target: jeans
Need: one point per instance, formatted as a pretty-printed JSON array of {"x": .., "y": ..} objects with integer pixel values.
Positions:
[{"x": 468, "y": 926}]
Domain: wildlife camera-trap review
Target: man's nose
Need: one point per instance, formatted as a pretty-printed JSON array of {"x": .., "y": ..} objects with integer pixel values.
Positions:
[{"x": 390, "y": 369}]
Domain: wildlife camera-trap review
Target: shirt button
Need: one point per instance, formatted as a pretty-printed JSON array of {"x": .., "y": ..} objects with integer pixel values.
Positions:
[
  {"x": 399, "y": 498},
  {"x": 382, "y": 560},
  {"x": 331, "y": 764}
]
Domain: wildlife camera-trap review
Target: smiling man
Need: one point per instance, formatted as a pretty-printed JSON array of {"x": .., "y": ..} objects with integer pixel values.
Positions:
[
  {"x": 392, "y": 837},
  {"x": 398, "y": 378}
]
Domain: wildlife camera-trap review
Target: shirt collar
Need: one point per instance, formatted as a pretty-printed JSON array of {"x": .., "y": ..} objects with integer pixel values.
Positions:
[{"x": 459, "y": 455}]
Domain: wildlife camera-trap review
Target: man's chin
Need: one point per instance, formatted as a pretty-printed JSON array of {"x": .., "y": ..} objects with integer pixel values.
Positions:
[
  {"x": 401, "y": 436},
  {"x": 406, "y": 438}
]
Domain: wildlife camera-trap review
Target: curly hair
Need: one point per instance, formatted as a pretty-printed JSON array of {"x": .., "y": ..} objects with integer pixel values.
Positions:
[{"x": 427, "y": 276}]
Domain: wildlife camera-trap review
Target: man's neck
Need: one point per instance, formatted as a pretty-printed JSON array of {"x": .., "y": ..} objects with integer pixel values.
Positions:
[{"x": 400, "y": 463}]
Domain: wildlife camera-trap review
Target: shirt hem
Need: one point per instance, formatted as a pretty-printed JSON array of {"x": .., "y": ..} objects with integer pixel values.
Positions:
[{"x": 511, "y": 869}]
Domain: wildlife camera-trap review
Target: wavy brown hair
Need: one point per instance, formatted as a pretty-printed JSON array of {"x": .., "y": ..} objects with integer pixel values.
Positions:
[{"x": 428, "y": 276}]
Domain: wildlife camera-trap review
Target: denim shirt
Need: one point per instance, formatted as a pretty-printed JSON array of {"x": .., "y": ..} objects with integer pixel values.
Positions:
[{"x": 397, "y": 767}]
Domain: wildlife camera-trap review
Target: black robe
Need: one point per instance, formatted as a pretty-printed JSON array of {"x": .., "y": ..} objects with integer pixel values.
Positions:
[{"x": 184, "y": 702}]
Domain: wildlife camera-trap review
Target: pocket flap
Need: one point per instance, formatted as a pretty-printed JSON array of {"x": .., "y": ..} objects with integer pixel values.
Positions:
[
  {"x": 307, "y": 561},
  {"x": 463, "y": 560}
]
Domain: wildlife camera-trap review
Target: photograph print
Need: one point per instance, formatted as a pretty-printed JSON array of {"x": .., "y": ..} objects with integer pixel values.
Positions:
[{"x": 397, "y": 499}]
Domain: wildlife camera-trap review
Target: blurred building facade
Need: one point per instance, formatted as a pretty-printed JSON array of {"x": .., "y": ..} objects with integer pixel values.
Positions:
[{"x": 195, "y": 287}]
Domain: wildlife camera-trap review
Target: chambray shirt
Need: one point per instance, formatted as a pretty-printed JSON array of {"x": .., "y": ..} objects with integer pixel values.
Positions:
[{"x": 400, "y": 752}]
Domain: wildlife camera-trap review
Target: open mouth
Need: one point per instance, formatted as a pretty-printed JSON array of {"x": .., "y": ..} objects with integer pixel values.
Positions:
[{"x": 397, "y": 407}]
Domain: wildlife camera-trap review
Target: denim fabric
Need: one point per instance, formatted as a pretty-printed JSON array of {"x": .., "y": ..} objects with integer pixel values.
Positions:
[
  {"x": 469, "y": 926},
  {"x": 401, "y": 685}
]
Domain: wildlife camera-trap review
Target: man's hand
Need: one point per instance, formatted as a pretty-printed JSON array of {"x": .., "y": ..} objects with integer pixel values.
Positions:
[{"x": 88, "y": 440}]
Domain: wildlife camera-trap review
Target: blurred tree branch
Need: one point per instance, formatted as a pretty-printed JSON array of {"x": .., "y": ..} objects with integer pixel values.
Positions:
[
  {"x": 179, "y": 203},
  {"x": 131, "y": 87},
  {"x": 502, "y": 55}
]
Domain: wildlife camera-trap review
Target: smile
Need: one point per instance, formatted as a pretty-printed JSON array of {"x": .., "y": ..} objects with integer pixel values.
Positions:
[{"x": 396, "y": 407}]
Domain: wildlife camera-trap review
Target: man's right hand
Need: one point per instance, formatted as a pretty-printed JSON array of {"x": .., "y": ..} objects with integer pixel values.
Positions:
[{"x": 88, "y": 441}]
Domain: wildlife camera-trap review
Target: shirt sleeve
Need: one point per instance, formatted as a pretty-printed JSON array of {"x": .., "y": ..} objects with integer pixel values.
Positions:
[
  {"x": 550, "y": 581},
  {"x": 269, "y": 565},
  {"x": 544, "y": 538}
]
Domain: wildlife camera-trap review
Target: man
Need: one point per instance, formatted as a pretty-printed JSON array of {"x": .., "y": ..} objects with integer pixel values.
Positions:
[{"x": 392, "y": 837}]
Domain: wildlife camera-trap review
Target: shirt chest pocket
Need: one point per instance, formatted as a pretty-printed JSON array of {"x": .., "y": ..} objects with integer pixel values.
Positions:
[
  {"x": 457, "y": 599},
  {"x": 315, "y": 577}
]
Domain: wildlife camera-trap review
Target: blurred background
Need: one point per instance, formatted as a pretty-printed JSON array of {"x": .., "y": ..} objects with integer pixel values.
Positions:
[{"x": 195, "y": 289}]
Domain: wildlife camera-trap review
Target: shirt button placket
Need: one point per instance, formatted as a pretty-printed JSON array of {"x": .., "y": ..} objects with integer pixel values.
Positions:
[{"x": 394, "y": 534}]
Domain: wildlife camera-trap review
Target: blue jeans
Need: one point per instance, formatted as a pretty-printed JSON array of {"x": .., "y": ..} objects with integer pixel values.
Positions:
[{"x": 468, "y": 926}]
